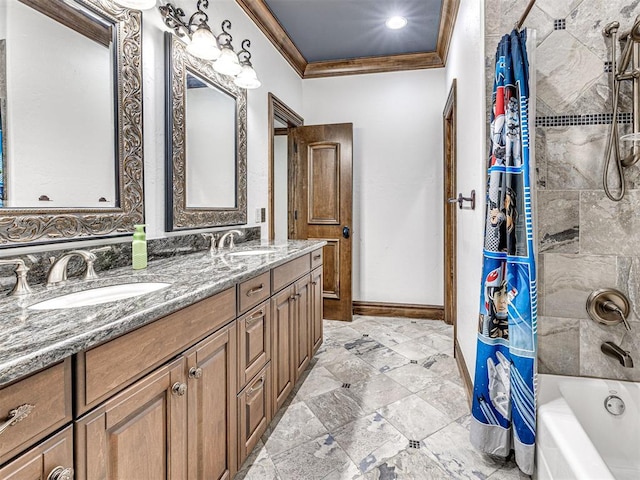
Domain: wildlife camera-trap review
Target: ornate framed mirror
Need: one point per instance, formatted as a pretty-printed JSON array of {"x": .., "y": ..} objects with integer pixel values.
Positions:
[
  {"x": 206, "y": 152},
  {"x": 71, "y": 110}
]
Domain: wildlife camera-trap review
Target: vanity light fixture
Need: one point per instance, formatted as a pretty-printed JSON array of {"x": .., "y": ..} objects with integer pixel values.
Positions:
[
  {"x": 202, "y": 43},
  {"x": 137, "y": 4},
  {"x": 395, "y": 23},
  {"x": 247, "y": 78}
]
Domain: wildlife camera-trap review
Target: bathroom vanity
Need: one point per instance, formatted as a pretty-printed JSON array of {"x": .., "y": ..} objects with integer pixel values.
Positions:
[{"x": 179, "y": 384}]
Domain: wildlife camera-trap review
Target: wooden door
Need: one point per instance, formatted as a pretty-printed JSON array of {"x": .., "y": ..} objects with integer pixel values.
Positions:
[
  {"x": 302, "y": 306},
  {"x": 138, "y": 434},
  {"x": 316, "y": 309},
  {"x": 450, "y": 208},
  {"x": 321, "y": 203},
  {"x": 282, "y": 358},
  {"x": 51, "y": 457},
  {"x": 212, "y": 418}
]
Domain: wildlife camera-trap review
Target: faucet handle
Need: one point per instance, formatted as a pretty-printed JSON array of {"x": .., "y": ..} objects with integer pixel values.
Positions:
[
  {"x": 214, "y": 240},
  {"x": 22, "y": 285},
  {"x": 232, "y": 232}
]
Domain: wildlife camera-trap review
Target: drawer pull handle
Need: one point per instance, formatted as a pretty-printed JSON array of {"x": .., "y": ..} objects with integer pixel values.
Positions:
[
  {"x": 17, "y": 415},
  {"x": 255, "y": 290},
  {"x": 255, "y": 316},
  {"x": 257, "y": 386},
  {"x": 61, "y": 473},
  {"x": 195, "y": 372},
  {"x": 314, "y": 283},
  {"x": 179, "y": 389},
  {"x": 317, "y": 257},
  {"x": 293, "y": 298}
]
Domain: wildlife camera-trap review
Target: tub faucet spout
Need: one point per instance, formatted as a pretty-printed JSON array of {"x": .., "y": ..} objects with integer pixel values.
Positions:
[{"x": 614, "y": 351}]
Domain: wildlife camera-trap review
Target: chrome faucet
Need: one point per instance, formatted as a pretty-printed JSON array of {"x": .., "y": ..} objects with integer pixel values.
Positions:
[
  {"x": 229, "y": 234},
  {"x": 22, "y": 286},
  {"x": 614, "y": 351},
  {"x": 58, "y": 271},
  {"x": 213, "y": 239}
]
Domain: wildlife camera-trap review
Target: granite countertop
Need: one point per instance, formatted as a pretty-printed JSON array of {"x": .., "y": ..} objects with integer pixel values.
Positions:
[{"x": 34, "y": 339}]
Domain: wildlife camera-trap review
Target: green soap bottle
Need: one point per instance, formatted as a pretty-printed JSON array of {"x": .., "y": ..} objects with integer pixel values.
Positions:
[{"x": 139, "y": 248}]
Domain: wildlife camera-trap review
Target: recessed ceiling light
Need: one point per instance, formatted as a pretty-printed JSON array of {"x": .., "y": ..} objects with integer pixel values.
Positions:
[{"x": 394, "y": 23}]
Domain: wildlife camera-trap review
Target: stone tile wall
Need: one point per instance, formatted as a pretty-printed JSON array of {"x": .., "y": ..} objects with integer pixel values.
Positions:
[{"x": 585, "y": 241}]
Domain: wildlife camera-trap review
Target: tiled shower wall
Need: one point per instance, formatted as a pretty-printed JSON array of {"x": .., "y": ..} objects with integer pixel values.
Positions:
[{"x": 585, "y": 241}]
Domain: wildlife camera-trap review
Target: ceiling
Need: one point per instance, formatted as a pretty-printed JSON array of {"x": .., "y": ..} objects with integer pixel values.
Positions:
[{"x": 322, "y": 38}]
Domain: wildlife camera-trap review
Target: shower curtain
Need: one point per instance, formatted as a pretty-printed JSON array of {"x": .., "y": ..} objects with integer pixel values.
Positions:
[{"x": 503, "y": 412}]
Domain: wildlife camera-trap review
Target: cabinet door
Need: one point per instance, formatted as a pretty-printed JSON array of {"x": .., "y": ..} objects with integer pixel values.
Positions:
[
  {"x": 282, "y": 357},
  {"x": 212, "y": 414},
  {"x": 316, "y": 309},
  {"x": 302, "y": 347},
  {"x": 52, "y": 459},
  {"x": 254, "y": 412},
  {"x": 138, "y": 434},
  {"x": 254, "y": 343}
]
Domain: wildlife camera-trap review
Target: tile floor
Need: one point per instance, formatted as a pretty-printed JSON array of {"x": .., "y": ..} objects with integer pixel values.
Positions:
[{"x": 381, "y": 400}]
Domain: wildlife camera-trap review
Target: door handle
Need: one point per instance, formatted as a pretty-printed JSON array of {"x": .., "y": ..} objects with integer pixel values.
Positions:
[{"x": 346, "y": 232}]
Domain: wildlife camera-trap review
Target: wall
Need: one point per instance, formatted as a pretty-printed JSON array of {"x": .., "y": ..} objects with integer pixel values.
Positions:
[
  {"x": 280, "y": 185},
  {"x": 397, "y": 178},
  {"x": 586, "y": 241},
  {"x": 466, "y": 64}
]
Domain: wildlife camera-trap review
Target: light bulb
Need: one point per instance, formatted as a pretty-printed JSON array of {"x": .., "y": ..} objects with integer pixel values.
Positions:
[
  {"x": 203, "y": 43},
  {"x": 227, "y": 63},
  {"x": 247, "y": 78},
  {"x": 395, "y": 23},
  {"x": 137, "y": 4}
]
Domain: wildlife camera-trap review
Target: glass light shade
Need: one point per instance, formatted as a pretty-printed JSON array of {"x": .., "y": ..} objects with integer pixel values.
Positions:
[
  {"x": 137, "y": 4},
  {"x": 394, "y": 23},
  {"x": 203, "y": 44},
  {"x": 247, "y": 78},
  {"x": 227, "y": 63}
]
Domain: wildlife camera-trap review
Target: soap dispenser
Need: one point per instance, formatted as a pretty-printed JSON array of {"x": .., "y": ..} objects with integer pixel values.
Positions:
[{"x": 139, "y": 248}]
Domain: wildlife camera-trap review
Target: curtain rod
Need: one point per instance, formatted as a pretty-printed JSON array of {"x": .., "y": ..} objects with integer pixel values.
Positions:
[{"x": 525, "y": 14}]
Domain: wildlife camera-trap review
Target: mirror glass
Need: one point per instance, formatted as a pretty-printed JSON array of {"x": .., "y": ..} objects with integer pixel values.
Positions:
[
  {"x": 211, "y": 145},
  {"x": 207, "y": 151},
  {"x": 70, "y": 120},
  {"x": 58, "y": 108}
]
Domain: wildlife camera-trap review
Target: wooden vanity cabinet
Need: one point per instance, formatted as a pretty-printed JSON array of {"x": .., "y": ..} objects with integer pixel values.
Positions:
[
  {"x": 316, "y": 308},
  {"x": 254, "y": 342},
  {"x": 282, "y": 337},
  {"x": 50, "y": 460},
  {"x": 254, "y": 412},
  {"x": 212, "y": 418},
  {"x": 302, "y": 322}
]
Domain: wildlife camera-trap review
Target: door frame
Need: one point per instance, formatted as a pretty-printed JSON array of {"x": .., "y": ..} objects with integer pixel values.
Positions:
[
  {"x": 278, "y": 110},
  {"x": 449, "y": 124}
]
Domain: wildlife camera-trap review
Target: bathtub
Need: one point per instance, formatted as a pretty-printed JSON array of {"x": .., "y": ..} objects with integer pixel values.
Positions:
[{"x": 578, "y": 438}]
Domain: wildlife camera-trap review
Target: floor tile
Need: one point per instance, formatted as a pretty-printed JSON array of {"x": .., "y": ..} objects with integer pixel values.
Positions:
[
  {"x": 341, "y": 335},
  {"x": 336, "y": 408},
  {"x": 414, "y": 418},
  {"x": 443, "y": 365},
  {"x": 414, "y": 377},
  {"x": 377, "y": 392},
  {"x": 314, "y": 382},
  {"x": 351, "y": 369},
  {"x": 451, "y": 449},
  {"x": 362, "y": 345},
  {"x": 384, "y": 359},
  {"x": 370, "y": 441},
  {"x": 438, "y": 342},
  {"x": 314, "y": 460},
  {"x": 410, "y": 464},
  {"x": 258, "y": 466},
  {"x": 448, "y": 397},
  {"x": 415, "y": 349},
  {"x": 297, "y": 425}
]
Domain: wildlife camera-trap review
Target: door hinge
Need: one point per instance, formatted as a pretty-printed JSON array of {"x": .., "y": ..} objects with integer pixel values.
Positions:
[
  {"x": 295, "y": 147},
  {"x": 295, "y": 214}
]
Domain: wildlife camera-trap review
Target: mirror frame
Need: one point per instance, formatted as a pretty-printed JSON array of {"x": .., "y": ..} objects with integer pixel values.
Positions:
[
  {"x": 21, "y": 226},
  {"x": 178, "y": 215}
]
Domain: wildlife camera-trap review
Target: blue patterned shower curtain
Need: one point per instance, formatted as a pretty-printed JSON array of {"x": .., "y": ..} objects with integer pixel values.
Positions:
[{"x": 504, "y": 413}]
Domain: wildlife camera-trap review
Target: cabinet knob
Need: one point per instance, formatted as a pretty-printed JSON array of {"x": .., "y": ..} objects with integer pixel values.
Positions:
[
  {"x": 61, "y": 473},
  {"x": 179, "y": 389},
  {"x": 195, "y": 372}
]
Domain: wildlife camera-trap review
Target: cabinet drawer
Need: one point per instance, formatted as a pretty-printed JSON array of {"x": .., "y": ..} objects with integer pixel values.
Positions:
[
  {"x": 254, "y": 412},
  {"x": 254, "y": 291},
  {"x": 285, "y": 274},
  {"x": 108, "y": 368},
  {"x": 254, "y": 348},
  {"x": 46, "y": 396},
  {"x": 316, "y": 258},
  {"x": 52, "y": 455}
]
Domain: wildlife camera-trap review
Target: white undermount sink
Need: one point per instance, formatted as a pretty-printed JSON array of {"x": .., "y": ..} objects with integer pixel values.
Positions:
[
  {"x": 246, "y": 253},
  {"x": 96, "y": 296}
]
